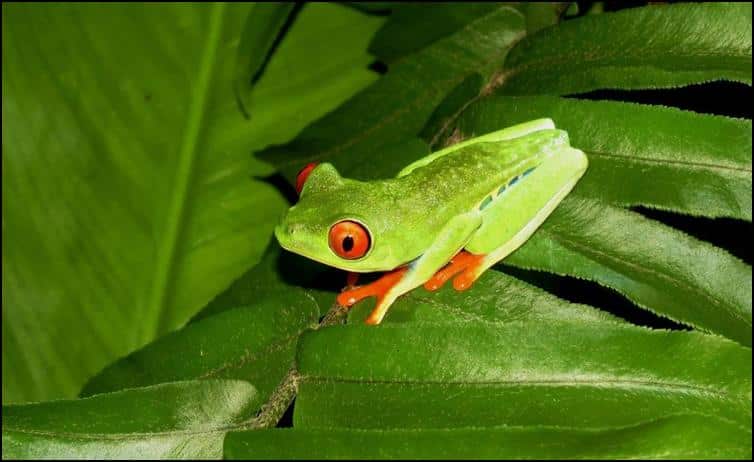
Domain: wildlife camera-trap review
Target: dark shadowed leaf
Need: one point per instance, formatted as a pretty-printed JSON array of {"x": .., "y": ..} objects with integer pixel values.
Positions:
[
  {"x": 656, "y": 46},
  {"x": 360, "y": 137},
  {"x": 657, "y": 267}
]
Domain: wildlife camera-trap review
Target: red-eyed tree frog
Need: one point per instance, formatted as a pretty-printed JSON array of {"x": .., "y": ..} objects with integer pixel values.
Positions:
[{"x": 452, "y": 214}]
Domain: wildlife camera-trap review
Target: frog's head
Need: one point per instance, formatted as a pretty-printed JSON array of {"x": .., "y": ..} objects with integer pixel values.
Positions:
[{"x": 336, "y": 222}]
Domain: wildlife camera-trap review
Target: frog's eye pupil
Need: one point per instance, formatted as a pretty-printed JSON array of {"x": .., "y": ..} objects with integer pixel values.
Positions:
[
  {"x": 349, "y": 239},
  {"x": 348, "y": 243}
]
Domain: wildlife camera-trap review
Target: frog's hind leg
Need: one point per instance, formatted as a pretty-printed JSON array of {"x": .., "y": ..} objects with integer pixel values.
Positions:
[
  {"x": 510, "y": 220},
  {"x": 454, "y": 235}
]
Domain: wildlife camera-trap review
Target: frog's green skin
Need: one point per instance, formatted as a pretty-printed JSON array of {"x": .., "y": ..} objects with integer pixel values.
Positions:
[{"x": 486, "y": 195}]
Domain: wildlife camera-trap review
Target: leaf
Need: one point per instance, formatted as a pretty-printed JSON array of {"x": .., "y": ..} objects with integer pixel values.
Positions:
[
  {"x": 561, "y": 374},
  {"x": 127, "y": 202},
  {"x": 277, "y": 273},
  {"x": 657, "y": 46},
  {"x": 494, "y": 298},
  {"x": 413, "y": 26},
  {"x": 640, "y": 155},
  {"x": 679, "y": 437},
  {"x": 184, "y": 420},
  {"x": 540, "y": 15},
  {"x": 262, "y": 30},
  {"x": 396, "y": 107},
  {"x": 255, "y": 343},
  {"x": 655, "y": 266}
]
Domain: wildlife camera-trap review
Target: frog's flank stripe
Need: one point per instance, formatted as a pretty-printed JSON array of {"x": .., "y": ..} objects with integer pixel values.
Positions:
[{"x": 487, "y": 200}]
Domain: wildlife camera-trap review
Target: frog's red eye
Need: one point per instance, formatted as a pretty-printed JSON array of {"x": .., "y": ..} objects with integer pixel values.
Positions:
[
  {"x": 349, "y": 239},
  {"x": 303, "y": 175}
]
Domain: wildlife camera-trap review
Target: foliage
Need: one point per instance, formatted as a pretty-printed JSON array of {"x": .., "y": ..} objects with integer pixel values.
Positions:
[{"x": 129, "y": 215}]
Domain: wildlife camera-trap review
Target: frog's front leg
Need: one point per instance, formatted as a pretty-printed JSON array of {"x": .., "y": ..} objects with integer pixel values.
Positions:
[{"x": 453, "y": 236}]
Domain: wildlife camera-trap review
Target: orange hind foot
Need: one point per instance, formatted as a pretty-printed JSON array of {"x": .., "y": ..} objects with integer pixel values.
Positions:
[
  {"x": 377, "y": 288},
  {"x": 464, "y": 263}
]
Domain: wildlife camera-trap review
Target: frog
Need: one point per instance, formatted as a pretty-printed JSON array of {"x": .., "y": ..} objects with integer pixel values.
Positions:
[{"x": 450, "y": 215}]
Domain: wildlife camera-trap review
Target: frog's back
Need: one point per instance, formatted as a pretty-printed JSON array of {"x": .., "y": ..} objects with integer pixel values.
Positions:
[{"x": 475, "y": 175}]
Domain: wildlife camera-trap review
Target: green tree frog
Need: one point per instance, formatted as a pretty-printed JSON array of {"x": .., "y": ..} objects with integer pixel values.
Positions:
[{"x": 452, "y": 214}]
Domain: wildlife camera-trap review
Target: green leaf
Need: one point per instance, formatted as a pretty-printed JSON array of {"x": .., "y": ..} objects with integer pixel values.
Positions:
[
  {"x": 255, "y": 343},
  {"x": 262, "y": 29},
  {"x": 278, "y": 272},
  {"x": 681, "y": 437},
  {"x": 175, "y": 420},
  {"x": 363, "y": 130},
  {"x": 561, "y": 374},
  {"x": 540, "y": 15},
  {"x": 640, "y": 155},
  {"x": 413, "y": 26},
  {"x": 127, "y": 202},
  {"x": 495, "y": 298},
  {"x": 657, "y": 46},
  {"x": 657, "y": 267}
]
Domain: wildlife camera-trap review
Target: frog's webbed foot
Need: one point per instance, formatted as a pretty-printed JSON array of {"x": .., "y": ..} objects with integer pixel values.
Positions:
[
  {"x": 465, "y": 263},
  {"x": 378, "y": 288}
]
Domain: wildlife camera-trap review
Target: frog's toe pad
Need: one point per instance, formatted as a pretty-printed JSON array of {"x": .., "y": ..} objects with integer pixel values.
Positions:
[
  {"x": 377, "y": 289},
  {"x": 464, "y": 263},
  {"x": 465, "y": 280}
]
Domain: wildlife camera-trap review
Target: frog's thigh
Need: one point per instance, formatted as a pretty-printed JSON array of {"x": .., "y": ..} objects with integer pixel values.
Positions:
[
  {"x": 450, "y": 240},
  {"x": 513, "y": 217}
]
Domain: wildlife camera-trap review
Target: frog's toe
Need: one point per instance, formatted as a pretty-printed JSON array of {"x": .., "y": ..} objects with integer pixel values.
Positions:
[{"x": 377, "y": 289}]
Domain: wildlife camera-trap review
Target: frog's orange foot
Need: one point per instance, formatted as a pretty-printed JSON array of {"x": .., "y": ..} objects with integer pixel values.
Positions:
[
  {"x": 464, "y": 263},
  {"x": 378, "y": 289}
]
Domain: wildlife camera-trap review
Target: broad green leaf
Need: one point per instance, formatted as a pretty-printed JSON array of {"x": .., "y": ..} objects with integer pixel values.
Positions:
[
  {"x": 358, "y": 136},
  {"x": 255, "y": 343},
  {"x": 656, "y": 46},
  {"x": 561, "y": 374},
  {"x": 262, "y": 29},
  {"x": 413, "y": 26},
  {"x": 279, "y": 272},
  {"x": 640, "y": 155},
  {"x": 681, "y": 437},
  {"x": 320, "y": 64},
  {"x": 657, "y": 267},
  {"x": 127, "y": 198},
  {"x": 495, "y": 298},
  {"x": 184, "y": 420}
]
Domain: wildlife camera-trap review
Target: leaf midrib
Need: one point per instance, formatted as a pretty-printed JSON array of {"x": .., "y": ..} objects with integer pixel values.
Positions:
[
  {"x": 155, "y": 316},
  {"x": 677, "y": 387},
  {"x": 698, "y": 165}
]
